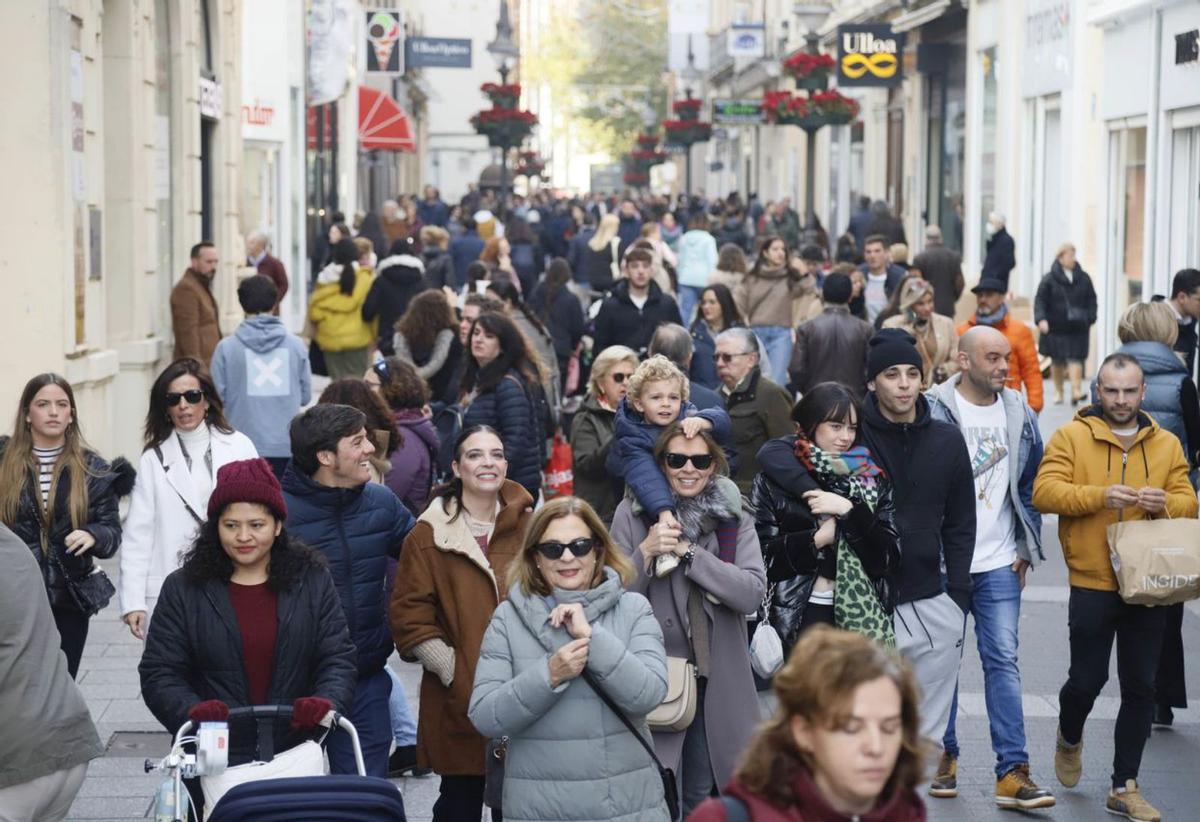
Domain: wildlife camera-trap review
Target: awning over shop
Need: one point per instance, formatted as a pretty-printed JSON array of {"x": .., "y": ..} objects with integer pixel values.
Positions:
[{"x": 382, "y": 124}]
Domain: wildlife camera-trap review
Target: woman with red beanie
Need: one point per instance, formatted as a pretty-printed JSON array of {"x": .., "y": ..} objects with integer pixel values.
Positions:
[{"x": 216, "y": 641}]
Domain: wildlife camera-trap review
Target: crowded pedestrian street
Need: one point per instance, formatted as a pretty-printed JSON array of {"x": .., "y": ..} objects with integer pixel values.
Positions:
[{"x": 600, "y": 411}]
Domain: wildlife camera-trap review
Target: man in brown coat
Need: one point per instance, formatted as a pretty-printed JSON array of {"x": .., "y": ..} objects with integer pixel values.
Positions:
[
  {"x": 194, "y": 309},
  {"x": 258, "y": 254},
  {"x": 832, "y": 347}
]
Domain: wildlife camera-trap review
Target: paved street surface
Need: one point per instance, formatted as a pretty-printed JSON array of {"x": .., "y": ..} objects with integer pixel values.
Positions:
[{"x": 118, "y": 789}]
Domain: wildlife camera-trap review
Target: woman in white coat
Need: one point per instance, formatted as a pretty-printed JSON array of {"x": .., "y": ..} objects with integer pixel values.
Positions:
[{"x": 187, "y": 440}]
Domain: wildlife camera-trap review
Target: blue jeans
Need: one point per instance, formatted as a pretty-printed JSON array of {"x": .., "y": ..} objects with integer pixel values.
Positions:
[
  {"x": 689, "y": 298},
  {"x": 374, "y": 725},
  {"x": 777, "y": 340},
  {"x": 996, "y": 606},
  {"x": 404, "y": 726}
]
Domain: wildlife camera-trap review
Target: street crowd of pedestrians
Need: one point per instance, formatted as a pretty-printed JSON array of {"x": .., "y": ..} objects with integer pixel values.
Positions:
[{"x": 766, "y": 442}]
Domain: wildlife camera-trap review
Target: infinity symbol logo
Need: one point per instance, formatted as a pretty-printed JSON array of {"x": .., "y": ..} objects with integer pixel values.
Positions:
[{"x": 882, "y": 65}]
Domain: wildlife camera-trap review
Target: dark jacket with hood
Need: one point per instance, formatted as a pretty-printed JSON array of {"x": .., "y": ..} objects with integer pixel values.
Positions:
[
  {"x": 194, "y": 651},
  {"x": 397, "y": 280},
  {"x": 411, "y": 475},
  {"x": 509, "y": 408},
  {"x": 591, "y": 441},
  {"x": 356, "y": 529},
  {"x": 564, "y": 319},
  {"x": 1069, "y": 306},
  {"x": 733, "y": 230},
  {"x": 620, "y": 322},
  {"x": 786, "y": 527},
  {"x": 933, "y": 490},
  {"x": 106, "y": 485}
]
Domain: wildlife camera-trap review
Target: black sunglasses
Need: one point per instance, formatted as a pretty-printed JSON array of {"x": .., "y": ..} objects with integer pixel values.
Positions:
[
  {"x": 193, "y": 397},
  {"x": 728, "y": 358},
  {"x": 579, "y": 547},
  {"x": 619, "y": 377},
  {"x": 700, "y": 461}
]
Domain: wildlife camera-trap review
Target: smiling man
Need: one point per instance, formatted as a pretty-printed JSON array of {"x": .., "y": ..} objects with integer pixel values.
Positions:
[{"x": 356, "y": 525}]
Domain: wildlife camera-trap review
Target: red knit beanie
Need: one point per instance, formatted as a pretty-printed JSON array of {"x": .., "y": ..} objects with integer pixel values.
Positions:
[{"x": 247, "y": 481}]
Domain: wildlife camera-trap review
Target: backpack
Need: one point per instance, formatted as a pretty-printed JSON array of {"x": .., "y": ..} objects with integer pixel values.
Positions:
[{"x": 447, "y": 419}]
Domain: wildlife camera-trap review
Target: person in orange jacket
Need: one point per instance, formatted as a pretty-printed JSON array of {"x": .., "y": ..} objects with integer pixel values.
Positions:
[{"x": 1023, "y": 365}]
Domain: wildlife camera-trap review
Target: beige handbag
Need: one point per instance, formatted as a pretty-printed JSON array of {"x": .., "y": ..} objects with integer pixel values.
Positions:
[
  {"x": 1156, "y": 561},
  {"x": 676, "y": 711}
]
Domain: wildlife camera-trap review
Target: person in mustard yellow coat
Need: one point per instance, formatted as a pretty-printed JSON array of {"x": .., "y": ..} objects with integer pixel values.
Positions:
[{"x": 335, "y": 310}]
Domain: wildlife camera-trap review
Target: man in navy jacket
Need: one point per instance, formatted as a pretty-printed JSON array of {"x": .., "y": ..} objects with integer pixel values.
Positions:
[{"x": 356, "y": 524}]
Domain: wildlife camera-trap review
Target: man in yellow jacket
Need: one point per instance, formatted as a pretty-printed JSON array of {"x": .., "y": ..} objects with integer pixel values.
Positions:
[{"x": 1112, "y": 462}]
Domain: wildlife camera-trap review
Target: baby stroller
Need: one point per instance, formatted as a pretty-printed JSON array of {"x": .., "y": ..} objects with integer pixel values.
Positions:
[{"x": 294, "y": 799}]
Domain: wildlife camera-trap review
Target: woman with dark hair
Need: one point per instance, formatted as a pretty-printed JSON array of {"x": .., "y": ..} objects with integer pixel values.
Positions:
[
  {"x": 500, "y": 388},
  {"x": 399, "y": 277},
  {"x": 187, "y": 441},
  {"x": 525, "y": 253},
  {"x": 731, "y": 267},
  {"x": 717, "y": 312},
  {"x": 765, "y": 300},
  {"x": 335, "y": 310},
  {"x": 381, "y": 428},
  {"x": 826, "y": 520},
  {"x": 454, "y": 571},
  {"x": 251, "y": 618},
  {"x": 843, "y": 745},
  {"x": 414, "y": 459},
  {"x": 560, "y": 311},
  {"x": 427, "y": 336},
  {"x": 536, "y": 334},
  {"x": 60, "y": 497}
]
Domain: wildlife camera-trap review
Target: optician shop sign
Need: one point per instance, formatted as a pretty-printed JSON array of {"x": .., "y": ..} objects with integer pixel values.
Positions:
[
  {"x": 437, "y": 52},
  {"x": 746, "y": 112},
  {"x": 869, "y": 55}
]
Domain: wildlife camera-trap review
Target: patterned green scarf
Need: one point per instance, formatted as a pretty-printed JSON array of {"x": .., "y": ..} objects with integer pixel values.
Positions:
[{"x": 853, "y": 475}]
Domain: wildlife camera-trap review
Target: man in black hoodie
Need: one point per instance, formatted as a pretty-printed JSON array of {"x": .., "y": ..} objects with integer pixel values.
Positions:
[
  {"x": 635, "y": 307},
  {"x": 932, "y": 482}
]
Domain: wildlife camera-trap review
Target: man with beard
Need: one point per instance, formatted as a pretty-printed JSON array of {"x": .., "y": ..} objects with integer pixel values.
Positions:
[
  {"x": 1111, "y": 463},
  {"x": 1023, "y": 366}
]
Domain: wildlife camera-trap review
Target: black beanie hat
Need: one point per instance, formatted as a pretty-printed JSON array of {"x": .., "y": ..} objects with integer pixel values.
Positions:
[
  {"x": 837, "y": 288},
  {"x": 891, "y": 346}
]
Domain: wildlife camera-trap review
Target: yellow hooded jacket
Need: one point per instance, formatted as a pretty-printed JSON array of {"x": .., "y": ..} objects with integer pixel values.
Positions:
[
  {"x": 337, "y": 317},
  {"x": 1082, "y": 460}
]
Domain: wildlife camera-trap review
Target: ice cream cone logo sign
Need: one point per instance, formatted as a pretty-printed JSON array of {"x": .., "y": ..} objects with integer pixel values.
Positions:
[
  {"x": 869, "y": 55},
  {"x": 383, "y": 32}
]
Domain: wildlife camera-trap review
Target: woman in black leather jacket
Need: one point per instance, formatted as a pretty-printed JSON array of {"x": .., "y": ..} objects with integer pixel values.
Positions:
[{"x": 830, "y": 496}]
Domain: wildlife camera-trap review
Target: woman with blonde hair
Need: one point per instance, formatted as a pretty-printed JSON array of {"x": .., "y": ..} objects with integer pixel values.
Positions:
[
  {"x": 593, "y": 426},
  {"x": 570, "y": 666},
  {"x": 601, "y": 263},
  {"x": 937, "y": 341},
  {"x": 1065, "y": 311},
  {"x": 843, "y": 745}
]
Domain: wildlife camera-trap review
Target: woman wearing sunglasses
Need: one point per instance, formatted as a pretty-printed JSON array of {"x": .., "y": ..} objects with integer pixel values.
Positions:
[
  {"x": 454, "y": 571},
  {"x": 702, "y": 611},
  {"x": 568, "y": 623},
  {"x": 827, "y": 523},
  {"x": 187, "y": 441},
  {"x": 593, "y": 425}
]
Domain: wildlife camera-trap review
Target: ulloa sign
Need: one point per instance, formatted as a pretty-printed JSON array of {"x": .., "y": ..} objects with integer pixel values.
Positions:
[{"x": 869, "y": 55}]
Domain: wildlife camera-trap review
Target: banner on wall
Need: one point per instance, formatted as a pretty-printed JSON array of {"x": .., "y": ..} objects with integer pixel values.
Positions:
[
  {"x": 437, "y": 52},
  {"x": 384, "y": 30},
  {"x": 330, "y": 49},
  {"x": 869, "y": 55}
]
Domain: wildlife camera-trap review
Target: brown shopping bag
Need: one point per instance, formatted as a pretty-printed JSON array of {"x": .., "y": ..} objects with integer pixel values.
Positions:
[{"x": 1156, "y": 561}]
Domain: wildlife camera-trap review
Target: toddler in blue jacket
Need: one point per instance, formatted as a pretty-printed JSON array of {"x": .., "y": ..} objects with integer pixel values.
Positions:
[{"x": 657, "y": 396}]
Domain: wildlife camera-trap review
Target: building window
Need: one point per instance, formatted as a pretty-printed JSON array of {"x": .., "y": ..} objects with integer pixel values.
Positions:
[
  {"x": 1184, "y": 246},
  {"x": 947, "y": 141},
  {"x": 1126, "y": 204},
  {"x": 895, "y": 151}
]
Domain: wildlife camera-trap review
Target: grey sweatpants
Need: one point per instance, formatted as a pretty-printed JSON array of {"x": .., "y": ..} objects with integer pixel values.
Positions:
[{"x": 929, "y": 634}]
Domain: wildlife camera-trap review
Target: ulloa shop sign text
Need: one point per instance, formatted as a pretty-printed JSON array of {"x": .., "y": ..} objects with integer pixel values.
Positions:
[{"x": 869, "y": 55}]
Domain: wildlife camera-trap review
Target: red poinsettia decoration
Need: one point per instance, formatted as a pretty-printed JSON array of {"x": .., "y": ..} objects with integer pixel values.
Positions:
[
  {"x": 803, "y": 64},
  {"x": 686, "y": 132},
  {"x": 504, "y": 127},
  {"x": 837, "y": 108},
  {"x": 647, "y": 141},
  {"x": 636, "y": 178},
  {"x": 785, "y": 108}
]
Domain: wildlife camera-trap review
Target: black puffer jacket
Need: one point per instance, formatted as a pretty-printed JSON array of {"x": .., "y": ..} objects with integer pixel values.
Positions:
[
  {"x": 620, "y": 322},
  {"x": 398, "y": 279},
  {"x": 106, "y": 485},
  {"x": 786, "y": 527},
  {"x": 439, "y": 268},
  {"x": 509, "y": 408},
  {"x": 194, "y": 650}
]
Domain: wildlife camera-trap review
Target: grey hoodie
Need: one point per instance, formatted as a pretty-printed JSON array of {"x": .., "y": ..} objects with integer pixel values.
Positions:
[{"x": 263, "y": 376}]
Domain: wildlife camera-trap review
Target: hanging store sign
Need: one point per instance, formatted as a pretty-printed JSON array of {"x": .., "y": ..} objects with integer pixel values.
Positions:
[
  {"x": 869, "y": 55},
  {"x": 747, "y": 112},
  {"x": 383, "y": 33},
  {"x": 437, "y": 52},
  {"x": 1187, "y": 47},
  {"x": 210, "y": 98},
  {"x": 747, "y": 40}
]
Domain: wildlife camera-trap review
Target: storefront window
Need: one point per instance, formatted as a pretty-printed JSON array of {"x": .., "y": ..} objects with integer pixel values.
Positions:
[
  {"x": 947, "y": 132},
  {"x": 260, "y": 189},
  {"x": 1127, "y": 201},
  {"x": 1185, "y": 199},
  {"x": 987, "y": 140}
]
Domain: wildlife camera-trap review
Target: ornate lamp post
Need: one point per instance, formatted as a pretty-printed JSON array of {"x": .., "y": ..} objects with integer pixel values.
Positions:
[
  {"x": 688, "y": 129},
  {"x": 505, "y": 53}
]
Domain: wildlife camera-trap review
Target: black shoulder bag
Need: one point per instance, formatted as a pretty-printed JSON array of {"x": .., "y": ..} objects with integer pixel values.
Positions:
[
  {"x": 91, "y": 592},
  {"x": 670, "y": 789}
]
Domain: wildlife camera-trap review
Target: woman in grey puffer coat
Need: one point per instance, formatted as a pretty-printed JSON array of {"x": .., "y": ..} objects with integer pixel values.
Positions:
[{"x": 569, "y": 757}]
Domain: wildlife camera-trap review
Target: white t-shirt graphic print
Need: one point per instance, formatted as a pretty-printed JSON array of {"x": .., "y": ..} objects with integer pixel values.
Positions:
[{"x": 985, "y": 428}]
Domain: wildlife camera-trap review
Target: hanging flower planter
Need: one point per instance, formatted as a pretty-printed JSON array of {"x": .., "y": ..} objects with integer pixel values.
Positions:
[
  {"x": 686, "y": 132},
  {"x": 504, "y": 127},
  {"x": 648, "y": 158},
  {"x": 688, "y": 110},
  {"x": 636, "y": 178},
  {"x": 810, "y": 71},
  {"x": 502, "y": 96},
  {"x": 785, "y": 109},
  {"x": 531, "y": 164},
  {"x": 837, "y": 109},
  {"x": 647, "y": 141}
]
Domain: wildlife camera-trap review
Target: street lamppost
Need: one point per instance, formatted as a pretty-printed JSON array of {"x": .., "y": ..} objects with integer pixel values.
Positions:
[
  {"x": 505, "y": 53},
  {"x": 810, "y": 15},
  {"x": 690, "y": 77}
]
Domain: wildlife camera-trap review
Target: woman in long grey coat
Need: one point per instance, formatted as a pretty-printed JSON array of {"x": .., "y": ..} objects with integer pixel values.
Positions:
[
  {"x": 720, "y": 573},
  {"x": 569, "y": 756}
]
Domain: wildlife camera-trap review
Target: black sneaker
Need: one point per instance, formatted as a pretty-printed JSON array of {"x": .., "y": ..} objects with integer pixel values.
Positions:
[
  {"x": 403, "y": 762},
  {"x": 1164, "y": 717}
]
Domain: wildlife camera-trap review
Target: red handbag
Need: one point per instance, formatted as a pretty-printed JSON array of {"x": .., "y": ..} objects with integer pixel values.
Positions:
[{"x": 558, "y": 478}]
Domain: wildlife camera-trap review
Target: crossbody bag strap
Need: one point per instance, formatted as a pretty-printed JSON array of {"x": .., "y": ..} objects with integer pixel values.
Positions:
[
  {"x": 199, "y": 520},
  {"x": 607, "y": 700}
]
